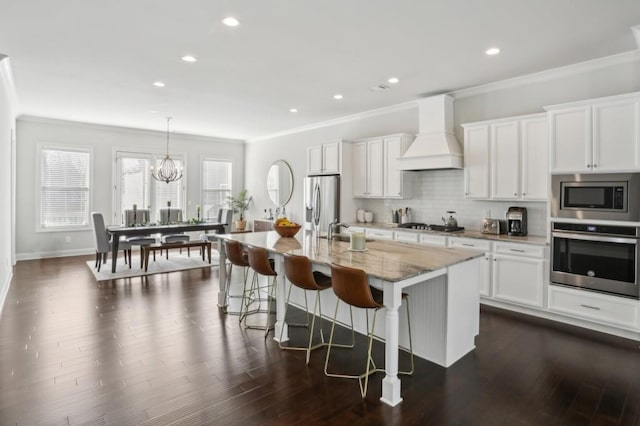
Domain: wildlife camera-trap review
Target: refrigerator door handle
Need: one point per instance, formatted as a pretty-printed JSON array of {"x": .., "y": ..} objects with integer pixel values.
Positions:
[{"x": 317, "y": 205}]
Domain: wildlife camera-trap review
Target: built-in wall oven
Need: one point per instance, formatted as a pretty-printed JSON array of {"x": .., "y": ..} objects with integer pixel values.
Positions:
[{"x": 596, "y": 257}]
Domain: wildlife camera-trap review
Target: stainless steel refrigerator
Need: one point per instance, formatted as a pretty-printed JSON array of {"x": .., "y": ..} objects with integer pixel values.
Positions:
[{"x": 321, "y": 202}]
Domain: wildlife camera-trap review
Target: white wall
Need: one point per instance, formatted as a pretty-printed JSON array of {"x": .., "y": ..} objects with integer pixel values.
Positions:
[
  {"x": 7, "y": 129},
  {"x": 103, "y": 140},
  {"x": 437, "y": 191}
]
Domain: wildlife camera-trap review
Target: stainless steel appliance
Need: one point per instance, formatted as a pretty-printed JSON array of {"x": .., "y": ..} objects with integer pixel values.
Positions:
[
  {"x": 494, "y": 226},
  {"x": 517, "y": 221},
  {"x": 425, "y": 227},
  {"x": 609, "y": 196},
  {"x": 321, "y": 202},
  {"x": 596, "y": 257}
]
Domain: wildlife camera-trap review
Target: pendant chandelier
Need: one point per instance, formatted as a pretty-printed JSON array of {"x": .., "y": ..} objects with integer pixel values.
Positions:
[{"x": 167, "y": 171}]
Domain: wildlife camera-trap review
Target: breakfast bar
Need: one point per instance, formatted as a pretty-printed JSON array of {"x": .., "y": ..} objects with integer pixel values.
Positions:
[{"x": 443, "y": 283}]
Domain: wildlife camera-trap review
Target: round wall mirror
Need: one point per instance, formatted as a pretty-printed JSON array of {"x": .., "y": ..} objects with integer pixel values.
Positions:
[{"x": 280, "y": 183}]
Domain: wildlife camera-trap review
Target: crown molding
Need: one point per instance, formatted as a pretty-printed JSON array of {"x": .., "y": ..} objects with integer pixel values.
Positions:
[
  {"x": 341, "y": 120},
  {"x": 554, "y": 73}
]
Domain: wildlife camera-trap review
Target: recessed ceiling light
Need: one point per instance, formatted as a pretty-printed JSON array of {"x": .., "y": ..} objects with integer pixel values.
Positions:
[
  {"x": 230, "y": 21},
  {"x": 393, "y": 80},
  {"x": 158, "y": 84},
  {"x": 337, "y": 96},
  {"x": 293, "y": 110},
  {"x": 189, "y": 58},
  {"x": 492, "y": 51}
]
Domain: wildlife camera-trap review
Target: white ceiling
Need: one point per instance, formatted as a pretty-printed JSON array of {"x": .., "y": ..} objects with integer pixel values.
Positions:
[{"x": 95, "y": 61}]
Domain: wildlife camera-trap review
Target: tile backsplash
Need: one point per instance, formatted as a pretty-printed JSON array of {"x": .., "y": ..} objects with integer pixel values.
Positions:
[{"x": 436, "y": 191}]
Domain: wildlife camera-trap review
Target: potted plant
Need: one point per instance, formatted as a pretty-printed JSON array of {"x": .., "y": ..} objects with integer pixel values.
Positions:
[{"x": 239, "y": 204}]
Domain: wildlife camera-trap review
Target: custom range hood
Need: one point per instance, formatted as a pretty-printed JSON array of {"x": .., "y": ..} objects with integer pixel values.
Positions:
[{"x": 436, "y": 146}]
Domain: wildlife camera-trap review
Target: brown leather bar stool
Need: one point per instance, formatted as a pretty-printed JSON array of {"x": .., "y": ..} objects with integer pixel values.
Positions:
[
  {"x": 352, "y": 287},
  {"x": 261, "y": 265},
  {"x": 298, "y": 271},
  {"x": 236, "y": 257}
]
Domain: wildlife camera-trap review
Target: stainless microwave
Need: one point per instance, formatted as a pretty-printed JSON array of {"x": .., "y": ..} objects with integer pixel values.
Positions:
[{"x": 610, "y": 196}]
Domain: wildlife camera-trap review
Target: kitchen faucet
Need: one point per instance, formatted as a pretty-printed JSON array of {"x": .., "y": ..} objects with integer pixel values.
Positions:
[{"x": 333, "y": 226}]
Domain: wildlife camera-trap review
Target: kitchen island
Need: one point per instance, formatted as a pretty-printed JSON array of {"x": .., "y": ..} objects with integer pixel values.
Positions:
[{"x": 443, "y": 285}]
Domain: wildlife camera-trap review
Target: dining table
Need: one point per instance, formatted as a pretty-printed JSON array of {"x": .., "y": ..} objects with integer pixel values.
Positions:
[
  {"x": 442, "y": 282},
  {"x": 118, "y": 231}
]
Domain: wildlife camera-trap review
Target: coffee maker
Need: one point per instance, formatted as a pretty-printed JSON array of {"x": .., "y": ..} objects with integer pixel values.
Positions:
[{"x": 517, "y": 221}]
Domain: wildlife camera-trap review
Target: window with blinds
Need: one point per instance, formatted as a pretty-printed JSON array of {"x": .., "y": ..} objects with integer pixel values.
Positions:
[
  {"x": 64, "y": 188},
  {"x": 216, "y": 186},
  {"x": 134, "y": 185}
]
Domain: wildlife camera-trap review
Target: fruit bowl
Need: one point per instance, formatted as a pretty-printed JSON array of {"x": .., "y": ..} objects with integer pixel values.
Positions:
[{"x": 287, "y": 231}]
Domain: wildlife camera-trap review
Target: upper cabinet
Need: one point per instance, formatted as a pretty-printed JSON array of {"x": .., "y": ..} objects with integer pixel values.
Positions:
[
  {"x": 375, "y": 167},
  {"x": 506, "y": 159},
  {"x": 323, "y": 159},
  {"x": 596, "y": 136}
]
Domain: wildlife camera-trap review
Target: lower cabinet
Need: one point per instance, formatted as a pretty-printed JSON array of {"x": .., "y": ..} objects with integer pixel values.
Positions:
[
  {"x": 518, "y": 273},
  {"x": 518, "y": 279},
  {"x": 406, "y": 237},
  {"x": 485, "y": 247},
  {"x": 379, "y": 234},
  {"x": 592, "y": 306}
]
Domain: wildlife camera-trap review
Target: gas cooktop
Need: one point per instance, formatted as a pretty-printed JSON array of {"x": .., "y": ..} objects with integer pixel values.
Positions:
[{"x": 424, "y": 226}]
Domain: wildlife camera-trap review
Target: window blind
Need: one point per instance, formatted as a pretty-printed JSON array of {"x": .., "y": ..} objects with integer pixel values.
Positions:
[
  {"x": 64, "y": 188},
  {"x": 216, "y": 186}
]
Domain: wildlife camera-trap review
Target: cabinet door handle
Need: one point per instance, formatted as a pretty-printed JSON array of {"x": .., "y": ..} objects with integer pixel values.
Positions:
[
  {"x": 591, "y": 307},
  {"x": 517, "y": 250},
  {"x": 468, "y": 245},
  {"x": 524, "y": 193},
  {"x": 588, "y": 166},
  {"x": 515, "y": 194},
  {"x": 595, "y": 165}
]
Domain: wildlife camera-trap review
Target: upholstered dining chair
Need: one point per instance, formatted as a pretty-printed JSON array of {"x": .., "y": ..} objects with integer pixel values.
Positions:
[
  {"x": 224, "y": 216},
  {"x": 136, "y": 217},
  {"x": 170, "y": 215},
  {"x": 103, "y": 243}
]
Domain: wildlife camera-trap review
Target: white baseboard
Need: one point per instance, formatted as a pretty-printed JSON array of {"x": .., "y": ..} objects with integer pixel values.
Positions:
[
  {"x": 57, "y": 253},
  {"x": 5, "y": 291}
]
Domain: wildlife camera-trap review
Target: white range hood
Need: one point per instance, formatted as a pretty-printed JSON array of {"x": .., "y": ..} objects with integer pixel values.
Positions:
[{"x": 436, "y": 146}]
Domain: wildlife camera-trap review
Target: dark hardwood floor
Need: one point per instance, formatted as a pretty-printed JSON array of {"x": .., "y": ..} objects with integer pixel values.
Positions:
[{"x": 158, "y": 351}]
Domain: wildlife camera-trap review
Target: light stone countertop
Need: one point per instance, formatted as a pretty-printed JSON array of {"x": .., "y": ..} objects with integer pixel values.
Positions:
[
  {"x": 529, "y": 239},
  {"x": 387, "y": 260}
]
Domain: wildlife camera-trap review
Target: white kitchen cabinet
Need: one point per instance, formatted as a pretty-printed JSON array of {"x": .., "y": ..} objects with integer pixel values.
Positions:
[
  {"x": 476, "y": 161},
  {"x": 368, "y": 179},
  {"x": 374, "y": 167},
  {"x": 615, "y": 135},
  {"x": 507, "y": 159},
  {"x": 433, "y": 240},
  {"x": 379, "y": 234},
  {"x": 597, "y": 136},
  {"x": 406, "y": 237},
  {"x": 323, "y": 159},
  {"x": 518, "y": 273},
  {"x": 593, "y": 306},
  {"x": 483, "y": 246},
  {"x": 396, "y": 182},
  {"x": 534, "y": 138}
]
